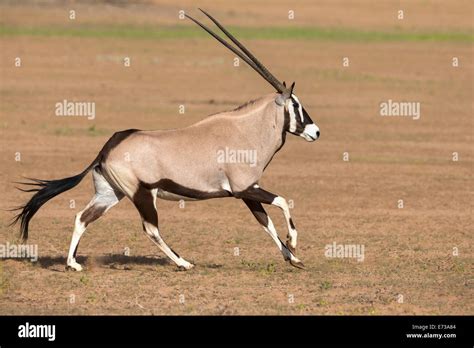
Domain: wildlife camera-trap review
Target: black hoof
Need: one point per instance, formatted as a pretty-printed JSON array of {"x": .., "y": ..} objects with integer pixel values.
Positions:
[{"x": 297, "y": 264}]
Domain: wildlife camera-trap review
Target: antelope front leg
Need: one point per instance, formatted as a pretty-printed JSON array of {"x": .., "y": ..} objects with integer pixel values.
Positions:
[
  {"x": 263, "y": 218},
  {"x": 260, "y": 195},
  {"x": 292, "y": 234}
]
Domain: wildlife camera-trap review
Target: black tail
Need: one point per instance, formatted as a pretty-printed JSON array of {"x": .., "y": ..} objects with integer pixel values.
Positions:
[{"x": 45, "y": 190}]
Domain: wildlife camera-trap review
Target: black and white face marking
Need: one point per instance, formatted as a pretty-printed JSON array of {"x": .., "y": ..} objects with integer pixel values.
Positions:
[{"x": 299, "y": 121}]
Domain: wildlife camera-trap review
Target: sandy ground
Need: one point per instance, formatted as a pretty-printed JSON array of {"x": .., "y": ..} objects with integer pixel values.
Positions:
[{"x": 417, "y": 260}]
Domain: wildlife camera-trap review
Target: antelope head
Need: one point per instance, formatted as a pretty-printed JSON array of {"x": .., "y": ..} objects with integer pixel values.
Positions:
[{"x": 298, "y": 121}]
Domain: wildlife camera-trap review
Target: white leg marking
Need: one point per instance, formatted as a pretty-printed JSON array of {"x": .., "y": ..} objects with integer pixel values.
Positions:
[
  {"x": 283, "y": 205},
  {"x": 105, "y": 196},
  {"x": 287, "y": 255},
  {"x": 79, "y": 228}
]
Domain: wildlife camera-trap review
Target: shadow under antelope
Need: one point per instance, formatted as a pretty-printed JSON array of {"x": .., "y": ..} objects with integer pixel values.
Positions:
[{"x": 182, "y": 164}]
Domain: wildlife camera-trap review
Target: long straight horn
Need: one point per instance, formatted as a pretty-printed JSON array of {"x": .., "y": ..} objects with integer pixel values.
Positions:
[
  {"x": 269, "y": 76},
  {"x": 233, "y": 49},
  {"x": 276, "y": 85}
]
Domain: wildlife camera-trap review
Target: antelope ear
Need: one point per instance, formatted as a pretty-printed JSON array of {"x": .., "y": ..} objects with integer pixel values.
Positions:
[{"x": 283, "y": 96}]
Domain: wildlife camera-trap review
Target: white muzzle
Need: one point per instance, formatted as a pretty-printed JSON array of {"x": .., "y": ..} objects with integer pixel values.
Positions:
[{"x": 311, "y": 132}]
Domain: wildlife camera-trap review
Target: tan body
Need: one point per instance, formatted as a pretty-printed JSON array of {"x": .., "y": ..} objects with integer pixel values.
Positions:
[{"x": 149, "y": 156}]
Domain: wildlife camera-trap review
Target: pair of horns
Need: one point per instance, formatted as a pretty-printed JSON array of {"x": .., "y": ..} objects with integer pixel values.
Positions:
[{"x": 246, "y": 55}]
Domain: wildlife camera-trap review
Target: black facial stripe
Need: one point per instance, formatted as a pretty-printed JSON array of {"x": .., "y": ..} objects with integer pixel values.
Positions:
[
  {"x": 286, "y": 126},
  {"x": 296, "y": 107},
  {"x": 306, "y": 117},
  {"x": 299, "y": 128},
  {"x": 300, "y": 125},
  {"x": 297, "y": 114}
]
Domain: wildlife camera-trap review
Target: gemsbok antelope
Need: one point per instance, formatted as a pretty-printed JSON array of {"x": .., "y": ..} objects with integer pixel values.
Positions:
[{"x": 181, "y": 164}]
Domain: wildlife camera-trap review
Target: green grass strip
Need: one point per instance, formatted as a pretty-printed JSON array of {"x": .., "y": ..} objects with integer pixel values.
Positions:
[{"x": 266, "y": 33}]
